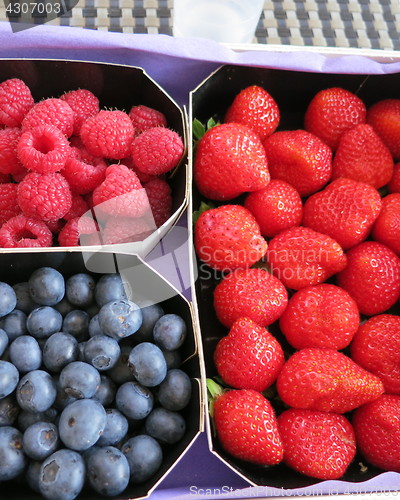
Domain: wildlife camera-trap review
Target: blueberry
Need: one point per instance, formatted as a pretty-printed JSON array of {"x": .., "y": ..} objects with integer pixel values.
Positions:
[
  {"x": 175, "y": 390},
  {"x": 32, "y": 475},
  {"x": 64, "y": 307},
  {"x": 9, "y": 410},
  {"x": 46, "y": 286},
  {"x": 79, "y": 379},
  {"x": 106, "y": 392},
  {"x": 121, "y": 372},
  {"x": 167, "y": 426},
  {"x": 12, "y": 457},
  {"x": 94, "y": 327},
  {"x": 115, "y": 429},
  {"x": 62, "y": 398},
  {"x": 62, "y": 475},
  {"x": 79, "y": 290},
  {"x": 102, "y": 352},
  {"x": 43, "y": 322},
  {"x": 81, "y": 424},
  {"x": 173, "y": 359},
  {"x": 120, "y": 318},
  {"x": 3, "y": 341},
  {"x": 24, "y": 300},
  {"x": 144, "y": 455},
  {"x": 109, "y": 288},
  {"x": 36, "y": 391},
  {"x": 169, "y": 332},
  {"x": 76, "y": 323},
  {"x": 14, "y": 324},
  {"x": 151, "y": 314},
  {"x": 40, "y": 440},
  {"x": 59, "y": 350},
  {"x": 134, "y": 400},
  {"x": 25, "y": 353},
  {"x": 9, "y": 377},
  {"x": 148, "y": 364},
  {"x": 108, "y": 471},
  {"x": 28, "y": 418},
  {"x": 8, "y": 299}
]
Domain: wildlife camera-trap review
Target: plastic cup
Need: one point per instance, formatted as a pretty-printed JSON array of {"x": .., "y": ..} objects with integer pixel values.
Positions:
[{"x": 226, "y": 21}]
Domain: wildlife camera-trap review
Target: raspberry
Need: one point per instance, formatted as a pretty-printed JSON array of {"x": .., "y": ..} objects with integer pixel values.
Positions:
[
  {"x": 141, "y": 175},
  {"x": 15, "y": 101},
  {"x": 126, "y": 230},
  {"x": 8, "y": 202},
  {"x": 52, "y": 111},
  {"x": 79, "y": 207},
  {"x": 4, "y": 178},
  {"x": 83, "y": 103},
  {"x": 43, "y": 149},
  {"x": 23, "y": 232},
  {"x": 83, "y": 171},
  {"x": 144, "y": 118},
  {"x": 108, "y": 134},
  {"x": 81, "y": 230},
  {"x": 121, "y": 193},
  {"x": 157, "y": 150},
  {"x": 9, "y": 161},
  {"x": 160, "y": 199},
  {"x": 44, "y": 196},
  {"x": 55, "y": 226}
]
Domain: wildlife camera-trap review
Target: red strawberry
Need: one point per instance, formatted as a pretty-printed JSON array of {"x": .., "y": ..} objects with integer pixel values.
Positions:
[
  {"x": 253, "y": 293},
  {"x": 317, "y": 444},
  {"x": 228, "y": 238},
  {"x": 276, "y": 207},
  {"x": 320, "y": 316},
  {"x": 230, "y": 160},
  {"x": 386, "y": 229},
  {"x": 372, "y": 277},
  {"x": 247, "y": 428},
  {"x": 394, "y": 183},
  {"x": 377, "y": 429},
  {"x": 301, "y": 256},
  {"x": 384, "y": 117},
  {"x": 257, "y": 109},
  {"x": 299, "y": 158},
  {"x": 249, "y": 357},
  {"x": 376, "y": 347},
  {"x": 326, "y": 380},
  {"x": 332, "y": 112},
  {"x": 345, "y": 210},
  {"x": 362, "y": 156}
]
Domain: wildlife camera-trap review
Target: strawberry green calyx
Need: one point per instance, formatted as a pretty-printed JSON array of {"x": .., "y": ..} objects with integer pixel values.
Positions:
[
  {"x": 202, "y": 208},
  {"x": 214, "y": 391},
  {"x": 199, "y": 129}
]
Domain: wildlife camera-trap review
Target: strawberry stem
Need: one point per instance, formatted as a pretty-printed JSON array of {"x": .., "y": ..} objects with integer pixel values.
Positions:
[
  {"x": 203, "y": 208},
  {"x": 214, "y": 391}
]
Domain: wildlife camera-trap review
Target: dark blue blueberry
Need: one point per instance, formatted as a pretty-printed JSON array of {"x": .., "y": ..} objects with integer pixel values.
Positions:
[
  {"x": 120, "y": 318},
  {"x": 8, "y": 299},
  {"x": 134, "y": 400},
  {"x": 64, "y": 307},
  {"x": 151, "y": 314},
  {"x": 43, "y": 322},
  {"x": 81, "y": 350},
  {"x": 173, "y": 359},
  {"x": 46, "y": 286},
  {"x": 14, "y": 324},
  {"x": 25, "y": 353},
  {"x": 12, "y": 457},
  {"x": 79, "y": 290},
  {"x": 108, "y": 471},
  {"x": 144, "y": 455},
  {"x": 9, "y": 377},
  {"x": 62, "y": 398},
  {"x": 9, "y": 410},
  {"x": 59, "y": 350},
  {"x": 62, "y": 475},
  {"x": 76, "y": 323},
  {"x": 3, "y": 341},
  {"x": 102, "y": 352},
  {"x": 175, "y": 390},
  {"x": 94, "y": 327},
  {"x": 115, "y": 430},
  {"x": 36, "y": 391},
  {"x": 40, "y": 440},
  {"x": 24, "y": 300},
  {"x": 167, "y": 426},
  {"x": 28, "y": 418},
  {"x": 79, "y": 379},
  {"x": 170, "y": 332},
  {"x": 121, "y": 372},
  {"x": 148, "y": 364},
  {"x": 92, "y": 310},
  {"x": 109, "y": 287},
  {"x": 32, "y": 475},
  {"x": 105, "y": 394},
  {"x": 81, "y": 424}
]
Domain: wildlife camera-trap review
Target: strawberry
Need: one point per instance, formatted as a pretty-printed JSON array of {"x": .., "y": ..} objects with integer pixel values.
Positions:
[
  {"x": 301, "y": 256},
  {"x": 230, "y": 160},
  {"x": 253, "y": 293},
  {"x": 249, "y": 357},
  {"x": 326, "y": 380},
  {"x": 317, "y": 444},
  {"x": 377, "y": 429},
  {"x": 247, "y": 427},
  {"x": 372, "y": 277},
  {"x": 228, "y": 238},
  {"x": 333, "y": 111},
  {"x": 299, "y": 158},
  {"x": 386, "y": 229},
  {"x": 393, "y": 185},
  {"x": 322, "y": 315},
  {"x": 257, "y": 109},
  {"x": 345, "y": 210},
  {"x": 384, "y": 117},
  {"x": 376, "y": 347},
  {"x": 276, "y": 207},
  {"x": 363, "y": 156}
]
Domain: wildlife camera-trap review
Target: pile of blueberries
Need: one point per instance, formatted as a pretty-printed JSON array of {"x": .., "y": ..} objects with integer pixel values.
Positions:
[{"x": 91, "y": 384}]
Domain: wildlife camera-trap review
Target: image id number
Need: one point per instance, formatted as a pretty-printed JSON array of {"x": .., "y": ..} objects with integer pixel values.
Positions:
[{"x": 16, "y": 8}]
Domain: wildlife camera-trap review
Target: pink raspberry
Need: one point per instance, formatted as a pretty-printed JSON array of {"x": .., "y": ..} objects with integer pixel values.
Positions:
[
  {"x": 43, "y": 149},
  {"x": 9, "y": 161},
  {"x": 141, "y": 175},
  {"x": 157, "y": 150},
  {"x": 20, "y": 175},
  {"x": 4, "y": 178},
  {"x": 15, "y": 101},
  {"x": 144, "y": 118},
  {"x": 24, "y": 232},
  {"x": 121, "y": 193},
  {"x": 83, "y": 171},
  {"x": 44, "y": 196},
  {"x": 126, "y": 230},
  {"x": 79, "y": 231},
  {"x": 84, "y": 104},
  {"x": 108, "y": 134},
  {"x": 79, "y": 207},
  {"x": 8, "y": 202},
  {"x": 160, "y": 199},
  {"x": 55, "y": 226},
  {"x": 50, "y": 111}
]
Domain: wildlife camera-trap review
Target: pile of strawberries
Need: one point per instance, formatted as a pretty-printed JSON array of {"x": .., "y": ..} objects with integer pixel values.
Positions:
[
  {"x": 304, "y": 236},
  {"x": 73, "y": 173}
]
